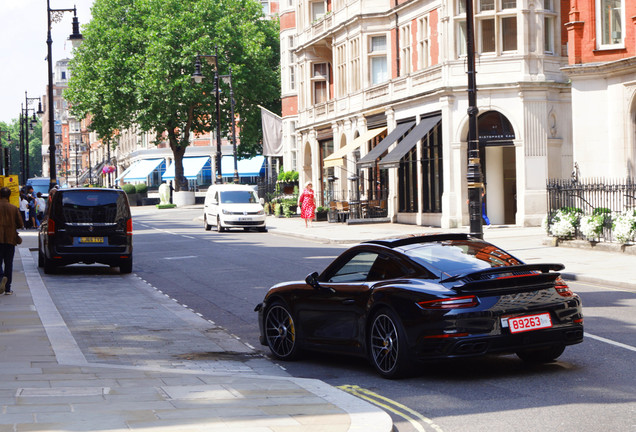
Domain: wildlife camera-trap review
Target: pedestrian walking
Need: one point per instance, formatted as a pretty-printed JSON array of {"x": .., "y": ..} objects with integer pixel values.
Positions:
[
  {"x": 40, "y": 207},
  {"x": 307, "y": 204},
  {"x": 33, "y": 223},
  {"x": 10, "y": 222},
  {"x": 24, "y": 210}
]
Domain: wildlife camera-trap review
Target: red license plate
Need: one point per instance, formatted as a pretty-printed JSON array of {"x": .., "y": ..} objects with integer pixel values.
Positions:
[{"x": 529, "y": 323}]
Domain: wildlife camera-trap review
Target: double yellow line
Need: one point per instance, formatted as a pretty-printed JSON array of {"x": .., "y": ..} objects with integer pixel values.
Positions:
[{"x": 416, "y": 419}]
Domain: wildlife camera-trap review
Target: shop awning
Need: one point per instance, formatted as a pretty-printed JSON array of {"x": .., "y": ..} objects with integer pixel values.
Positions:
[
  {"x": 336, "y": 158},
  {"x": 254, "y": 167},
  {"x": 192, "y": 166},
  {"x": 392, "y": 160},
  {"x": 368, "y": 160},
  {"x": 142, "y": 169},
  {"x": 124, "y": 173}
]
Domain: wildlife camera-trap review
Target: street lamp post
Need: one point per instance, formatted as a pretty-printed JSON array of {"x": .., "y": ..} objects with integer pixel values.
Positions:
[
  {"x": 228, "y": 80},
  {"x": 6, "y": 151},
  {"x": 28, "y": 127},
  {"x": 54, "y": 15},
  {"x": 473, "y": 173},
  {"x": 198, "y": 77}
]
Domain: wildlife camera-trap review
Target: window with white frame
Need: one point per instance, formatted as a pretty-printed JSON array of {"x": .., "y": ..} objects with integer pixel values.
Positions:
[
  {"x": 301, "y": 86},
  {"x": 460, "y": 41},
  {"x": 378, "y": 60},
  {"x": 405, "y": 49},
  {"x": 320, "y": 82},
  {"x": 495, "y": 27},
  {"x": 354, "y": 70},
  {"x": 610, "y": 22},
  {"x": 318, "y": 10},
  {"x": 423, "y": 43},
  {"x": 548, "y": 35},
  {"x": 292, "y": 60},
  {"x": 265, "y": 5},
  {"x": 341, "y": 70}
]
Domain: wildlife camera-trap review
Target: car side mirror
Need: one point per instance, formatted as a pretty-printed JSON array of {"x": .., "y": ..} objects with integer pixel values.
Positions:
[{"x": 312, "y": 280}]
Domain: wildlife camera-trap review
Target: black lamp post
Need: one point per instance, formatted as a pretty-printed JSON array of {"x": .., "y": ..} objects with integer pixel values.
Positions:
[
  {"x": 473, "y": 173},
  {"x": 55, "y": 15},
  {"x": 198, "y": 77},
  {"x": 29, "y": 124},
  {"x": 228, "y": 80},
  {"x": 6, "y": 151}
]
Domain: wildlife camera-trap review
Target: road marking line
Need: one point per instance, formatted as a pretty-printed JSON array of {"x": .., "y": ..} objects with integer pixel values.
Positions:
[
  {"x": 611, "y": 342},
  {"x": 376, "y": 399},
  {"x": 180, "y": 257}
]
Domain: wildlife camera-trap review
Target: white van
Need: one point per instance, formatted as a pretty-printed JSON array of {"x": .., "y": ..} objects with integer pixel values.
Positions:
[{"x": 233, "y": 206}]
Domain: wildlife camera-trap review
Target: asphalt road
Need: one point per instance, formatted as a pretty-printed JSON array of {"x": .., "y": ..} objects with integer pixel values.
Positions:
[{"x": 224, "y": 275}]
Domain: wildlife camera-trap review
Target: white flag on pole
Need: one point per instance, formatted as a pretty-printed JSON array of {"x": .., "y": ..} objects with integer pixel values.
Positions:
[{"x": 272, "y": 133}]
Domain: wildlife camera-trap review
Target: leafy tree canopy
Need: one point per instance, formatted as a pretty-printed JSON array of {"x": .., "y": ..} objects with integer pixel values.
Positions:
[{"x": 135, "y": 64}]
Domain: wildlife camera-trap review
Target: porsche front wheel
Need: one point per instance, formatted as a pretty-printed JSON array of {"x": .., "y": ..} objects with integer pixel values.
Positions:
[{"x": 280, "y": 332}]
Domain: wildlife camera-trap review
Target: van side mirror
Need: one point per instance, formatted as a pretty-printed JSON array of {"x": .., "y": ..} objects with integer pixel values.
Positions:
[{"x": 262, "y": 201}]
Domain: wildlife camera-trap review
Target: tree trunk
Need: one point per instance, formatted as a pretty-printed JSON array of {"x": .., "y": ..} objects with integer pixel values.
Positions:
[{"x": 180, "y": 182}]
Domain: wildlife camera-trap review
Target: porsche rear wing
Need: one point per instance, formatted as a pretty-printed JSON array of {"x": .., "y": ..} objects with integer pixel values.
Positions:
[{"x": 507, "y": 278}]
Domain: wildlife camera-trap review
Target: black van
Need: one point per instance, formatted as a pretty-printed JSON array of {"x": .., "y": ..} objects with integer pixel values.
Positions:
[{"x": 86, "y": 225}]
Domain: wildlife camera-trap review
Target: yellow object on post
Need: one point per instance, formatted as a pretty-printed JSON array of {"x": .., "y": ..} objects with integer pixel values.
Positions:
[{"x": 11, "y": 181}]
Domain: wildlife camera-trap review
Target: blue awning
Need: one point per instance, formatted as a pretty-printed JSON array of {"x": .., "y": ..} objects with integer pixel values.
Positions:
[
  {"x": 192, "y": 166},
  {"x": 254, "y": 167},
  {"x": 124, "y": 173},
  {"x": 142, "y": 169}
]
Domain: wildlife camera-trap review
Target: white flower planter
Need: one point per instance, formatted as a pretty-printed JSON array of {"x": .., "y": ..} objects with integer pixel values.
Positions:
[{"x": 183, "y": 198}]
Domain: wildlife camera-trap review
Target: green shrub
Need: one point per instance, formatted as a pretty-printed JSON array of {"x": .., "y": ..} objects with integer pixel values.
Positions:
[
  {"x": 129, "y": 189},
  {"x": 141, "y": 188}
]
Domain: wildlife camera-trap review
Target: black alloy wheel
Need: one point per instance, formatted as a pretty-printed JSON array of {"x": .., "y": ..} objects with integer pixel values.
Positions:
[
  {"x": 387, "y": 345},
  {"x": 280, "y": 332}
]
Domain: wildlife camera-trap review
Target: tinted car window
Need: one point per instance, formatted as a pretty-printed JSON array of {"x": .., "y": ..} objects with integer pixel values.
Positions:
[
  {"x": 238, "y": 197},
  {"x": 356, "y": 269},
  {"x": 97, "y": 206},
  {"x": 385, "y": 268},
  {"x": 460, "y": 256}
]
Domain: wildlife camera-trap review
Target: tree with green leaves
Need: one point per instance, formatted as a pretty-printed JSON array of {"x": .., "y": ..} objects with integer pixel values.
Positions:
[
  {"x": 35, "y": 147},
  {"x": 136, "y": 61}
]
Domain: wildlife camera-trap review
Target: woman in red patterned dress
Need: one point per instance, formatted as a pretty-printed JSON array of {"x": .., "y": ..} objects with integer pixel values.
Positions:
[{"x": 307, "y": 204}]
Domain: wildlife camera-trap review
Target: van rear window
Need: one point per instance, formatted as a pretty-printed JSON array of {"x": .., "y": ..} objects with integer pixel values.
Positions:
[{"x": 93, "y": 206}]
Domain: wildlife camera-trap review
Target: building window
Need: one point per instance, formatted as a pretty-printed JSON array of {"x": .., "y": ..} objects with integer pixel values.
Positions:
[
  {"x": 610, "y": 23},
  {"x": 509, "y": 33},
  {"x": 378, "y": 63},
  {"x": 354, "y": 51},
  {"x": 432, "y": 171},
  {"x": 292, "y": 77},
  {"x": 265, "y": 5},
  {"x": 461, "y": 38},
  {"x": 486, "y": 5},
  {"x": 318, "y": 10},
  {"x": 423, "y": 43},
  {"x": 301, "y": 86},
  {"x": 487, "y": 35},
  {"x": 548, "y": 35},
  {"x": 341, "y": 70},
  {"x": 320, "y": 81},
  {"x": 405, "y": 49}
]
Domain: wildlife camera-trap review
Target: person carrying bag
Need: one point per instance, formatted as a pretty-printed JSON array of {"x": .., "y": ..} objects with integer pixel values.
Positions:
[{"x": 10, "y": 222}]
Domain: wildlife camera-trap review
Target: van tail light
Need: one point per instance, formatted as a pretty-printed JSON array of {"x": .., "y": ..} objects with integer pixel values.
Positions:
[
  {"x": 50, "y": 227},
  {"x": 450, "y": 303},
  {"x": 562, "y": 288},
  {"x": 129, "y": 226}
]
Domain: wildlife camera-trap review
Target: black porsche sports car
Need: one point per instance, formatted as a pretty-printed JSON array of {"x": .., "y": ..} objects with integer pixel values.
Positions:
[{"x": 404, "y": 301}]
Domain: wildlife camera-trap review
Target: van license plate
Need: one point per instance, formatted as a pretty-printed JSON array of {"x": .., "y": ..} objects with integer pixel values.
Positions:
[
  {"x": 91, "y": 239},
  {"x": 242, "y": 219}
]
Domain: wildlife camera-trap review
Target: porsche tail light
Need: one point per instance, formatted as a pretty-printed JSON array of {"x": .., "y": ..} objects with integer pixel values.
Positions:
[
  {"x": 562, "y": 288},
  {"x": 450, "y": 303},
  {"x": 129, "y": 227},
  {"x": 50, "y": 227}
]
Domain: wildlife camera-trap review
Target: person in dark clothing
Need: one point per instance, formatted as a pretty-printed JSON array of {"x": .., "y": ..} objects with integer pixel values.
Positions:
[{"x": 10, "y": 222}]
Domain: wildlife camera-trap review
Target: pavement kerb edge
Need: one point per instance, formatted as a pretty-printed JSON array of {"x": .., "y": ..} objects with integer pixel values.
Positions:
[{"x": 363, "y": 415}]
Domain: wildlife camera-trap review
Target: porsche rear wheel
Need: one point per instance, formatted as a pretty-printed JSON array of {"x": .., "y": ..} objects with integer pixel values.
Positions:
[
  {"x": 541, "y": 355},
  {"x": 387, "y": 345},
  {"x": 280, "y": 332}
]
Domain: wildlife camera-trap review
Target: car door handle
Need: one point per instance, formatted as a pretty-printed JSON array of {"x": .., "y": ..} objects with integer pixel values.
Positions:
[{"x": 348, "y": 302}]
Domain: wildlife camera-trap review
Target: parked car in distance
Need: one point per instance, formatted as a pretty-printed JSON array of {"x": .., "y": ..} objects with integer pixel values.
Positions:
[
  {"x": 233, "y": 206},
  {"x": 86, "y": 225},
  {"x": 403, "y": 302}
]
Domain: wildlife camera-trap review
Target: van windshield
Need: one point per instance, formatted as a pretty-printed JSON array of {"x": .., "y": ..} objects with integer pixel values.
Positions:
[
  {"x": 97, "y": 206},
  {"x": 238, "y": 197}
]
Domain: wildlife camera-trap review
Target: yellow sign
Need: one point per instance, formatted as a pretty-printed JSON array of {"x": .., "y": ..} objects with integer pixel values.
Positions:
[{"x": 11, "y": 181}]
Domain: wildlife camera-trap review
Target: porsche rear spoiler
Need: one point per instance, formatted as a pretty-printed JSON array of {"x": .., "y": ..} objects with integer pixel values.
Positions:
[{"x": 506, "y": 277}]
